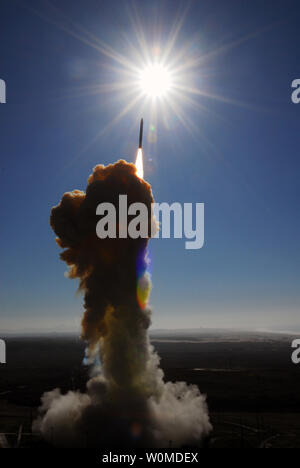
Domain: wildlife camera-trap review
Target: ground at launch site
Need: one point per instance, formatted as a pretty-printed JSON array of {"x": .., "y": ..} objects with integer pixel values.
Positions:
[{"x": 252, "y": 386}]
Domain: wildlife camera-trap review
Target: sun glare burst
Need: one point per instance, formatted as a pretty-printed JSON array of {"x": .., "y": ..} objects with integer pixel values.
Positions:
[
  {"x": 155, "y": 80},
  {"x": 159, "y": 76}
]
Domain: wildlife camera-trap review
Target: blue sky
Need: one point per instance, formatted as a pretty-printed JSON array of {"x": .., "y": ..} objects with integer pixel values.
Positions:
[{"x": 242, "y": 161}]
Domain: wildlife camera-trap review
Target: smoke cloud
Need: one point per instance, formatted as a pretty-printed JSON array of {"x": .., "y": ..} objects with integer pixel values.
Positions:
[{"x": 127, "y": 403}]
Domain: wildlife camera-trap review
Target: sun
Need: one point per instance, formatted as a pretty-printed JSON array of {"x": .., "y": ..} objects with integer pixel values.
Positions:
[{"x": 155, "y": 80}]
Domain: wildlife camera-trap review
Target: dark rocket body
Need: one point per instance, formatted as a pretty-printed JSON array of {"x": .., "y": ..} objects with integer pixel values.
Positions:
[{"x": 141, "y": 134}]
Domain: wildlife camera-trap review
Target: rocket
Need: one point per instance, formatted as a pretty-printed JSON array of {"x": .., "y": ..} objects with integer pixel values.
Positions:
[{"x": 141, "y": 134}]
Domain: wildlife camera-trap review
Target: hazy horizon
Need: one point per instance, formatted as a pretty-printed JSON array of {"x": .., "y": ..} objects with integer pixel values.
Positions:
[{"x": 65, "y": 328}]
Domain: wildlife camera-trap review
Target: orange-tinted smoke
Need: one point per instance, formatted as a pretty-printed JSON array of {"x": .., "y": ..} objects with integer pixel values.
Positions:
[{"x": 108, "y": 269}]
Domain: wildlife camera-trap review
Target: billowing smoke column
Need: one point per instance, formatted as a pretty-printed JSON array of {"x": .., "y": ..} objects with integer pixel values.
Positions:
[{"x": 127, "y": 403}]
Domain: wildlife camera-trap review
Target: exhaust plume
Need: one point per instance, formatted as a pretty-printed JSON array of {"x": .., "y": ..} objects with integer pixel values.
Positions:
[{"x": 127, "y": 403}]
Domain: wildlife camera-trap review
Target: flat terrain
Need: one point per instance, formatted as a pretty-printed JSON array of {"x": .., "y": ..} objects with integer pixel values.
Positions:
[{"x": 252, "y": 387}]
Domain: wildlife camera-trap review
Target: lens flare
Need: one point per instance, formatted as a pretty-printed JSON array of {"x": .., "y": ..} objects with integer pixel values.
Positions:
[{"x": 139, "y": 164}]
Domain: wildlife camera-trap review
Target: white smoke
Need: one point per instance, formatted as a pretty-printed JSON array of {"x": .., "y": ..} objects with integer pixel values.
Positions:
[{"x": 158, "y": 415}]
